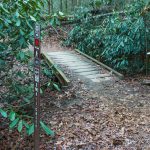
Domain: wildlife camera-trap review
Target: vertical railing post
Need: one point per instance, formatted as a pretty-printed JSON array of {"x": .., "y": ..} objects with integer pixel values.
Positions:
[{"x": 37, "y": 62}]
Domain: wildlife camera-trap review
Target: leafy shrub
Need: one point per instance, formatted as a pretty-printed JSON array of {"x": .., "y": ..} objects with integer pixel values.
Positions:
[
  {"x": 117, "y": 40},
  {"x": 17, "y": 20}
]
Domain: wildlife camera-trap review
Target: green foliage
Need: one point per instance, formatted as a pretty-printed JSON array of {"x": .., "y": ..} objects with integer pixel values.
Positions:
[
  {"x": 18, "y": 122},
  {"x": 12, "y": 116},
  {"x": 3, "y": 113},
  {"x": 17, "y": 21},
  {"x": 17, "y": 34},
  {"x": 46, "y": 129},
  {"x": 30, "y": 129},
  {"x": 56, "y": 87},
  {"x": 56, "y": 18},
  {"x": 98, "y": 3},
  {"x": 20, "y": 126},
  {"x": 125, "y": 44},
  {"x": 117, "y": 40},
  {"x": 18, "y": 27},
  {"x": 14, "y": 123}
]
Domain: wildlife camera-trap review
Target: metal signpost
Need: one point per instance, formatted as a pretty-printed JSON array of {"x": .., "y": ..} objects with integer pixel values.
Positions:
[{"x": 37, "y": 61}]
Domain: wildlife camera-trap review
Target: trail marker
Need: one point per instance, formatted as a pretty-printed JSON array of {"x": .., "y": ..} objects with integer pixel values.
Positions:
[{"x": 37, "y": 62}]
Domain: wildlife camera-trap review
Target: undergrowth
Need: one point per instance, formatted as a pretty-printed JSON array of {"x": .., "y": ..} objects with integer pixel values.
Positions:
[
  {"x": 17, "y": 21},
  {"x": 119, "y": 40}
]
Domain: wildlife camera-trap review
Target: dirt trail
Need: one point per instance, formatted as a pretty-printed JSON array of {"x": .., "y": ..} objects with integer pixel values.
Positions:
[{"x": 89, "y": 116}]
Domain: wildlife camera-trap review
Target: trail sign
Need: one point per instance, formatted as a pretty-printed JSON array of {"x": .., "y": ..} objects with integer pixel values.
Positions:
[{"x": 37, "y": 62}]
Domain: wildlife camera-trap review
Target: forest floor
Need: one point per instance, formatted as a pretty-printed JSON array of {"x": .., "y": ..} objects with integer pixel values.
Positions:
[
  {"x": 115, "y": 116},
  {"x": 111, "y": 116}
]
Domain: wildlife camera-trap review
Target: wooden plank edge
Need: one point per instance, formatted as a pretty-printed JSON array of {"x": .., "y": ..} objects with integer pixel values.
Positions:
[
  {"x": 146, "y": 82},
  {"x": 121, "y": 76},
  {"x": 59, "y": 74}
]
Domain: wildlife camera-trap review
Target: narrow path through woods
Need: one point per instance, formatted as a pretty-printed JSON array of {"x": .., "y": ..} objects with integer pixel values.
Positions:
[{"x": 90, "y": 115}]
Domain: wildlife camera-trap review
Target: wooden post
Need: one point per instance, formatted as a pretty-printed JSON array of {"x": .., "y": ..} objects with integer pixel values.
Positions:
[{"x": 37, "y": 62}]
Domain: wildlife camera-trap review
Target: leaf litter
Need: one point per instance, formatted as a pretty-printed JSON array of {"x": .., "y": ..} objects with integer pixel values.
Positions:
[{"x": 113, "y": 116}]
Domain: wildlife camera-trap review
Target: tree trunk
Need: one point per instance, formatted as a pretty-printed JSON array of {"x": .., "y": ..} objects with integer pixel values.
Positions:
[
  {"x": 61, "y": 5},
  {"x": 49, "y": 7},
  {"x": 52, "y": 8},
  {"x": 66, "y": 6},
  {"x": 72, "y": 4}
]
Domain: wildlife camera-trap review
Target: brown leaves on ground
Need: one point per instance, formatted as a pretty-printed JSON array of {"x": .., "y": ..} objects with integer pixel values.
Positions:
[
  {"x": 88, "y": 120},
  {"x": 98, "y": 123},
  {"x": 112, "y": 117}
]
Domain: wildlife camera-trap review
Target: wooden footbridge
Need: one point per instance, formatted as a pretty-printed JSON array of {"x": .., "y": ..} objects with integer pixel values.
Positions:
[{"x": 80, "y": 64}]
